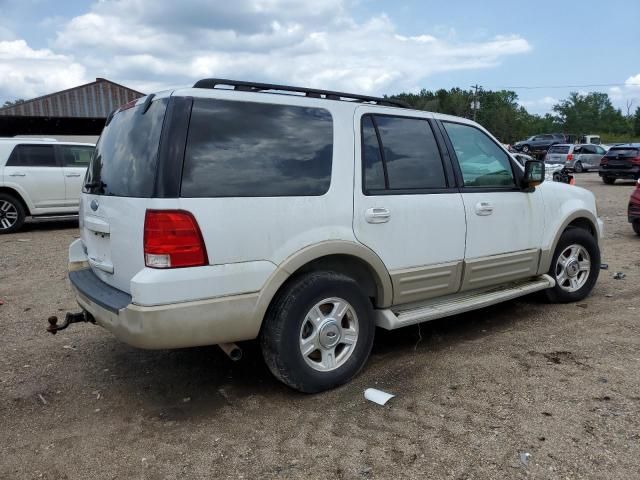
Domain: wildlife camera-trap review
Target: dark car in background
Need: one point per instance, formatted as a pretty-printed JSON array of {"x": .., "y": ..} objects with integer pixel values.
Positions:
[
  {"x": 634, "y": 209},
  {"x": 621, "y": 161},
  {"x": 539, "y": 143}
]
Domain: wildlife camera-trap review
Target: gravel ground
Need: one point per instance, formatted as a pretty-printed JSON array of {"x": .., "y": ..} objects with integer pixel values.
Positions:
[{"x": 522, "y": 389}]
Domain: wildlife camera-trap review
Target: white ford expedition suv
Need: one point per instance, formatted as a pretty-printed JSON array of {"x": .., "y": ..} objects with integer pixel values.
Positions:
[
  {"x": 304, "y": 218},
  {"x": 40, "y": 178}
]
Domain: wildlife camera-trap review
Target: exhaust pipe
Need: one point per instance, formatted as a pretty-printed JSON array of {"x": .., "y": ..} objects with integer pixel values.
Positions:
[{"x": 233, "y": 351}]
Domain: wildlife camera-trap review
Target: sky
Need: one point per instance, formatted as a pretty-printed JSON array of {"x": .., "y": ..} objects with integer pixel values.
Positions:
[{"x": 361, "y": 46}]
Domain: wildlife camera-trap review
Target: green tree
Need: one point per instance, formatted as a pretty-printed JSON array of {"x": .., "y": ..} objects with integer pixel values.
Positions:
[
  {"x": 636, "y": 122},
  {"x": 15, "y": 102}
]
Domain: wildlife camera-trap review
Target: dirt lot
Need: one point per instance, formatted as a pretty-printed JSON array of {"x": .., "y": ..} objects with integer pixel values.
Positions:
[{"x": 475, "y": 393}]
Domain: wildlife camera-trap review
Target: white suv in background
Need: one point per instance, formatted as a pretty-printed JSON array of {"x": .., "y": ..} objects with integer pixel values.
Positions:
[
  {"x": 306, "y": 218},
  {"x": 41, "y": 178}
]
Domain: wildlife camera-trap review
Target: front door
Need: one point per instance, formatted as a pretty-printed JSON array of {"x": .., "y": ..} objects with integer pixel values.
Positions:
[
  {"x": 504, "y": 223},
  {"x": 406, "y": 206}
]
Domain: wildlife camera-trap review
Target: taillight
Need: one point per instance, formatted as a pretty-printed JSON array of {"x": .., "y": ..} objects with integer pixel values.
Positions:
[
  {"x": 604, "y": 161},
  {"x": 569, "y": 157},
  {"x": 635, "y": 160},
  {"x": 172, "y": 239}
]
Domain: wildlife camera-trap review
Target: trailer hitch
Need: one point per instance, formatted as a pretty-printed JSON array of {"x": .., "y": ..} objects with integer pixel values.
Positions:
[{"x": 69, "y": 318}]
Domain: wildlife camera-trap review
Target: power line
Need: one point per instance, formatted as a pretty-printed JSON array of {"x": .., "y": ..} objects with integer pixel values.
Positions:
[{"x": 531, "y": 87}]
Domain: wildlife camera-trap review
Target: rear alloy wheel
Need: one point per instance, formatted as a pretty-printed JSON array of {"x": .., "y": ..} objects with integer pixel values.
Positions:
[
  {"x": 578, "y": 167},
  {"x": 318, "y": 332},
  {"x": 525, "y": 149},
  {"x": 609, "y": 180},
  {"x": 575, "y": 266},
  {"x": 12, "y": 214}
]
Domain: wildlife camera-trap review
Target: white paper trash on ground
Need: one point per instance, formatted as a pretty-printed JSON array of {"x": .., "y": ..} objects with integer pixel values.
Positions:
[{"x": 377, "y": 396}]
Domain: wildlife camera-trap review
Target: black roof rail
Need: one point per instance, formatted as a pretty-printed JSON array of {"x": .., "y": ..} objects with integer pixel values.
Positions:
[{"x": 239, "y": 85}]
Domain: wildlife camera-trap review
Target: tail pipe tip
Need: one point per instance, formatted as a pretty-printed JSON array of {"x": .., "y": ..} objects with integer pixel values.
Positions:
[{"x": 233, "y": 351}]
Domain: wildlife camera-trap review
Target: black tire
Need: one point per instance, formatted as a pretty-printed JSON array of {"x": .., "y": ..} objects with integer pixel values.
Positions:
[
  {"x": 609, "y": 180},
  {"x": 11, "y": 220},
  {"x": 282, "y": 331},
  {"x": 636, "y": 226},
  {"x": 525, "y": 149},
  {"x": 578, "y": 168},
  {"x": 581, "y": 237},
  {"x": 557, "y": 177}
]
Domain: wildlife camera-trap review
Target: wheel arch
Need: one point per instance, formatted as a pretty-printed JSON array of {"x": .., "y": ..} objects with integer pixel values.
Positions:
[
  {"x": 583, "y": 219},
  {"x": 346, "y": 257},
  {"x": 15, "y": 193}
]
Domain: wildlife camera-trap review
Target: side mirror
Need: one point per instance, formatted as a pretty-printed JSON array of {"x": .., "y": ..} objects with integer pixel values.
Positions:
[{"x": 533, "y": 174}]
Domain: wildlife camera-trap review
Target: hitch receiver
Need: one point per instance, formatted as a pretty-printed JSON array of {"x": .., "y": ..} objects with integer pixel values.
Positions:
[{"x": 69, "y": 318}]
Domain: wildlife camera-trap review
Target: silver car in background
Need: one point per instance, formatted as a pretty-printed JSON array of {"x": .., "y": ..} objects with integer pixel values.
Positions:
[{"x": 578, "y": 158}]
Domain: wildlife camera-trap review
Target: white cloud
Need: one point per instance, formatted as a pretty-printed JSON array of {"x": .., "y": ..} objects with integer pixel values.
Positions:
[
  {"x": 26, "y": 73},
  {"x": 629, "y": 92},
  {"x": 539, "y": 105},
  {"x": 146, "y": 44}
]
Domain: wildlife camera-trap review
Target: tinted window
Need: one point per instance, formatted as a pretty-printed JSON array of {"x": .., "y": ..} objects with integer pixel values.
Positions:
[
  {"x": 588, "y": 149},
  {"x": 247, "y": 149},
  {"x": 482, "y": 162},
  {"x": 410, "y": 153},
  {"x": 75, "y": 156},
  {"x": 125, "y": 159},
  {"x": 371, "y": 157},
  {"x": 559, "y": 149},
  {"x": 32, "y": 156},
  {"x": 623, "y": 152}
]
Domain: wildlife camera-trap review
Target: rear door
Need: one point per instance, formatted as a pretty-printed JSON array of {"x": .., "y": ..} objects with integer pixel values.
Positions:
[
  {"x": 504, "y": 224},
  {"x": 596, "y": 156},
  {"x": 406, "y": 206},
  {"x": 34, "y": 171},
  {"x": 74, "y": 160},
  {"x": 119, "y": 185}
]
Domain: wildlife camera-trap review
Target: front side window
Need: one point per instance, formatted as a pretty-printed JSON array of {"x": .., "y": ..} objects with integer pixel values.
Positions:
[
  {"x": 482, "y": 162},
  {"x": 75, "y": 156},
  {"x": 249, "y": 149},
  {"x": 400, "y": 154},
  {"x": 32, "y": 156}
]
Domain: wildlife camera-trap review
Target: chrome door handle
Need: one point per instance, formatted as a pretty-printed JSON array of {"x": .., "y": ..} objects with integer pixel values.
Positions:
[
  {"x": 72, "y": 174},
  {"x": 377, "y": 215},
  {"x": 484, "y": 208},
  {"x": 18, "y": 174}
]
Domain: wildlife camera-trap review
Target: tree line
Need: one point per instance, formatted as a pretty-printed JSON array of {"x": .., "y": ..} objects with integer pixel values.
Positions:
[{"x": 501, "y": 114}]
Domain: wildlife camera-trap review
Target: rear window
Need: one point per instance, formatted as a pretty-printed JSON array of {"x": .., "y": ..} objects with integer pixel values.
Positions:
[
  {"x": 126, "y": 156},
  {"x": 559, "y": 149},
  {"x": 249, "y": 149},
  {"x": 623, "y": 152}
]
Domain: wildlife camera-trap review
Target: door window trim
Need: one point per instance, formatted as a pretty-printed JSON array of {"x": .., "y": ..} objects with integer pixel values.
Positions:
[
  {"x": 442, "y": 151},
  {"x": 516, "y": 172}
]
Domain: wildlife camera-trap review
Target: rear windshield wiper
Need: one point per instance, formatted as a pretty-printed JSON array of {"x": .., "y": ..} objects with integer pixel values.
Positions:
[{"x": 98, "y": 184}]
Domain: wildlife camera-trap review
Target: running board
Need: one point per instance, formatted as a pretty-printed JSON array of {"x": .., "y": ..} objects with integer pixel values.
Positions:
[
  {"x": 401, "y": 316},
  {"x": 53, "y": 218}
]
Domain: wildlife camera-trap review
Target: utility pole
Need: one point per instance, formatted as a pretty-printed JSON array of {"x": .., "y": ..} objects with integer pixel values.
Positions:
[{"x": 475, "y": 104}]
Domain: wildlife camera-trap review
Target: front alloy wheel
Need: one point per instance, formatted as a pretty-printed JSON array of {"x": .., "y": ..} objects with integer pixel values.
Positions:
[{"x": 573, "y": 268}]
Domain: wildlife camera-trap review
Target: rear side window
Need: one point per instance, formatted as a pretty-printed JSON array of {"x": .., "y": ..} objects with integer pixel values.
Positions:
[
  {"x": 75, "y": 156},
  {"x": 559, "y": 149},
  {"x": 32, "y": 156},
  {"x": 249, "y": 149},
  {"x": 125, "y": 159},
  {"x": 400, "y": 154}
]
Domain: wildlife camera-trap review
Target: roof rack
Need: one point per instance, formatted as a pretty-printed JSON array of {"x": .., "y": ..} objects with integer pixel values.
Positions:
[{"x": 212, "y": 83}]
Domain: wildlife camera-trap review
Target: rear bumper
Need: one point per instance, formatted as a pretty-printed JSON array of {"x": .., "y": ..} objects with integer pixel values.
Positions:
[
  {"x": 633, "y": 173},
  {"x": 185, "y": 324}
]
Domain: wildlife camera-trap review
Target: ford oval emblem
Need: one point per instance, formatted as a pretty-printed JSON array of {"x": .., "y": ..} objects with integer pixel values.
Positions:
[{"x": 94, "y": 204}]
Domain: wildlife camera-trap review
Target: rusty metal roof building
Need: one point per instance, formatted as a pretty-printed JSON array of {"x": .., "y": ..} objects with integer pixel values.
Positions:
[
  {"x": 92, "y": 100},
  {"x": 80, "y": 110}
]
